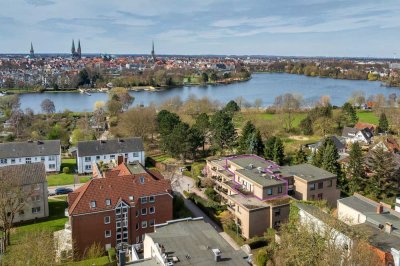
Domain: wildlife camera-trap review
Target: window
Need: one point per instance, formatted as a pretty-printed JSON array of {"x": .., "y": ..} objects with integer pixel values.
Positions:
[
  {"x": 141, "y": 179},
  {"x": 144, "y": 224},
  {"x": 88, "y": 167},
  {"x": 36, "y": 159},
  {"x": 13, "y": 161},
  {"x": 152, "y": 209},
  {"x": 152, "y": 199},
  {"x": 3, "y": 161},
  {"x": 280, "y": 189},
  {"x": 312, "y": 187},
  {"x": 107, "y": 220},
  {"x": 28, "y": 160},
  {"x": 107, "y": 233},
  {"x": 93, "y": 204},
  {"x": 320, "y": 185},
  {"x": 330, "y": 183},
  {"x": 137, "y": 226},
  {"x": 112, "y": 157},
  {"x": 143, "y": 200},
  {"x": 52, "y": 166},
  {"x": 35, "y": 198},
  {"x": 151, "y": 222},
  {"x": 42, "y": 158},
  {"x": 143, "y": 237},
  {"x": 126, "y": 155},
  {"x": 269, "y": 191},
  {"x": 144, "y": 211},
  {"x": 277, "y": 212},
  {"x": 320, "y": 196},
  {"x": 52, "y": 158},
  {"x": 88, "y": 159},
  {"x": 104, "y": 157},
  {"x": 118, "y": 224},
  {"x": 98, "y": 157},
  {"x": 131, "y": 198},
  {"x": 135, "y": 154},
  {"x": 35, "y": 210},
  {"x": 108, "y": 202}
]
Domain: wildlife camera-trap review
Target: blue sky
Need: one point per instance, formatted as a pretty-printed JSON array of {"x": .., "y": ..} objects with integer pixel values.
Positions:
[{"x": 267, "y": 27}]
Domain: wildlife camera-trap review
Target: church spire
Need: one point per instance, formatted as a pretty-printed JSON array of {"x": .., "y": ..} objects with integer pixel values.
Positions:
[
  {"x": 79, "y": 51},
  {"x": 153, "y": 55},
  {"x": 73, "y": 48},
  {"x": 32, "y": 52}
]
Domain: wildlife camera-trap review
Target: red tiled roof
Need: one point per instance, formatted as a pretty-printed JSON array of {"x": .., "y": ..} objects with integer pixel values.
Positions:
[
  {"x": 117, "y": 185},
  {"x": 392, "y": 144},
  {"x": 361, "y": 126}
]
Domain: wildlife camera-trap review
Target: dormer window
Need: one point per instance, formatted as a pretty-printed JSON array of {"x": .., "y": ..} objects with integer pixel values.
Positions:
[
  {"x": 108, "y": 202},
  {"x": 141, "y": 180},
  {"x": 93, "y": 204}
]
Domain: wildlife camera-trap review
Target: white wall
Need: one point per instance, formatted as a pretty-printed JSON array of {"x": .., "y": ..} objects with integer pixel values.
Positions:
[
  {"x": 82, "y": 164},
  {"x": 56, "y": 162},
  {"x": 349, "y": 215},
  {"x": 41, "y": 191}
]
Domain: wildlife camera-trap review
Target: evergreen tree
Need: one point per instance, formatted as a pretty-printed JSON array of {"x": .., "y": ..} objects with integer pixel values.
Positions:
[
  {"x": 306, "y": 126},
  {"x": 383, "y": 123},
  {"x": 166, "y": 121},
  {"x": 279, "y": 153},
  {"x": 223, "y": 130},
  {"x": 329, "y": 160},
  {"x": 231, "y": 108},
  {"x": 384, "y": 179},
  {"x": 301, "y": 156},
  {"x": 202, "y": 124},
  {"x": 255, "y": 143},
  {"x": 247, "y": 132},
  {"x": 349, "y": 115},
  {"x": 355, "y": 170},
  {"x": 269, "y": 148}
]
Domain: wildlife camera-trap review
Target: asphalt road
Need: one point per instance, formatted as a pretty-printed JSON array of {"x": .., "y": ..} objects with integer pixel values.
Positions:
[{"x": 53, "y": 189}]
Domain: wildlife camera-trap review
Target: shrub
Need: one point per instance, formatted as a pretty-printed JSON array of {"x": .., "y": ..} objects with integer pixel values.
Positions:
[
  {"x": 65, "y": 170},
  {"x": 112, "y": 256},
  {"x": 257, "y": 242},
  {"x": 94, "y": 251},
  {"x": 262, "y": 258},
  {"x": 211, "y": 194}
]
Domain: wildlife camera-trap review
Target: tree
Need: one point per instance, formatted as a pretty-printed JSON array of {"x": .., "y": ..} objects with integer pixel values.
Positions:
[
  {"x": 355, "y": 170},
  {"x": 202, "y": 124},
  {"x": 383, "y": 123},
  {"x": 269, "y": 148},
  {"x": 48, "y": 106},
  {"x": 223, "y": 131},
  {"x": 83, "y": 77},
  {"x": 279, "y": 153},
  {"x": 9, "y": 103},
  {"x": 231, "y": 108},
  {"x": 166, "y": 121},
  {"x": 258, "y": 103},
  {"x": 114, "y": 107},
  {"x": 243, "y": 140},
  {"x": 177, "y": 142},
  {"x": 384, "y": 179},
  {"x": 306, "y": 126},
  {"x": 349, "y": 115},
  {"x": 12, "y": 200},
  {"x": 16, "y": 119},
  {"x": 80, "y": 135},
  {"x": 121, "y": 95},
  {"x": 204, "y": 77},
  {"x": 300, "y": 156},
  {"x": 287, "y": 104}
]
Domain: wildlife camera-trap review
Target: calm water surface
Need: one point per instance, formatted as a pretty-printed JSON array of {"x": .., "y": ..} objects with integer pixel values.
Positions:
[{"x": 263, "y": 86}]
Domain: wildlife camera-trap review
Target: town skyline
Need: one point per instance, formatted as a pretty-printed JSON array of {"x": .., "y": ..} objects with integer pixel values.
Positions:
[{"x": 295, "y": 28}]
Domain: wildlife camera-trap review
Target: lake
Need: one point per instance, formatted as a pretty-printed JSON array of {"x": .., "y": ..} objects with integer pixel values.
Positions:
[{"x": 264, "y": 86}]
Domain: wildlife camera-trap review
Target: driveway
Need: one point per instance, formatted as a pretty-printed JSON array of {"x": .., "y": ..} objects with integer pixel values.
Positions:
[{"x": 52, "y": 190}]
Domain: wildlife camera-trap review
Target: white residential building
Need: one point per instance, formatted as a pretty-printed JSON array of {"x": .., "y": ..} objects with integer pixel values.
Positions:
[
  {"x": 47, "y": 152},
  {"x": 89, "y": 152}
]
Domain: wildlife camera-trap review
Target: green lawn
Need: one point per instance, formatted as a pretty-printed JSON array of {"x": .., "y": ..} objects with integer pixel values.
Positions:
[
  {"x": 62, "y": 179},
  {"x": 240, "y": 118},
  {"x": 97, "y": 261},
  {"x": 54, "y": 222},
  {"x": 367, "y": 117}
]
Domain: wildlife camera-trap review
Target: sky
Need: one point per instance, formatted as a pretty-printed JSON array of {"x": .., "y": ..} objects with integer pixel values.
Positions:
[{"x": 362, "y": 28}]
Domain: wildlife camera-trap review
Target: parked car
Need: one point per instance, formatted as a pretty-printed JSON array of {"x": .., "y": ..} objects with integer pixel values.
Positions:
[
  {"x": 50, "y": 193},
  {"x": 63, "y": 190}
]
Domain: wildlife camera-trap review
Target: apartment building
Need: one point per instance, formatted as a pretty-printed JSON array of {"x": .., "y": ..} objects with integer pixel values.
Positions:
[
  {"x": 89, "y": 152},
  {"x": 118, "y": 206},
  {"x": 189, "y": 241},
  {"x": 258, "y": 191},
  {"x": 32, "y": 180},
  {"x": 47, "y": 152}
]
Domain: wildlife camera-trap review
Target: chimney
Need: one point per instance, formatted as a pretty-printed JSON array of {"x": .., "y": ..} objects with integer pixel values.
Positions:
[
  {"x": 379, "y": 209},
  {"x": 388, "y": 227},
  {"x": 120, "y": 159}
]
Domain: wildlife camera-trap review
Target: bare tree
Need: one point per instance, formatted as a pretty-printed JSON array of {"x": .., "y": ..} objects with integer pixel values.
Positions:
[
  {"x": 48, "y": 106},
  {"x": 258, "y": 103},
  {"x": 13, "y": 198},
  {"x": 287, "y": 105}
]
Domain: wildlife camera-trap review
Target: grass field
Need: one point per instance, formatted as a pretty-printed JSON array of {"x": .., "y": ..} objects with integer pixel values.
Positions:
[
  {"x": 54, "y": 222},
  {"x": 367, "y": 117},
  {"x": 240, "y": 118},
  {"x": 62, "y": 179}
]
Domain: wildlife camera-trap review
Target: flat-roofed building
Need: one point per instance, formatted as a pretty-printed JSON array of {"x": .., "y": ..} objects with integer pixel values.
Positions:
[{"x": 258, "y": 191}]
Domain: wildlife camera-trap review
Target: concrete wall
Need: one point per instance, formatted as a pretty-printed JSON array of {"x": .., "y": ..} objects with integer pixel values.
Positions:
[
  {"x": 349, "y": 215},
  {"x": 105, "y": 158}
]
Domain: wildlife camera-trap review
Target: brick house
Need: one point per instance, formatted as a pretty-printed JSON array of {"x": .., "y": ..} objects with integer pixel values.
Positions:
[{"x": 118, "y": 206}]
